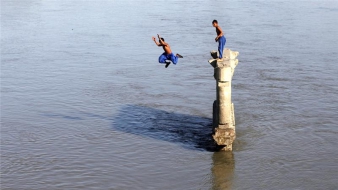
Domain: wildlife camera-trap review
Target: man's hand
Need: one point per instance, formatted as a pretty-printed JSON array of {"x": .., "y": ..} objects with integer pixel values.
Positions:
[
  {"x": 154, "y": 38},
  {"x": 158, "y": 36},
  {"x": 216, "y": 39}
]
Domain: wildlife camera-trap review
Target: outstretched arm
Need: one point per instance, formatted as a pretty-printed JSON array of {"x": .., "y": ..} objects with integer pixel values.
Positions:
[
  {"x": 154, "y": 39},
  {"x": 161, "y": 41}
]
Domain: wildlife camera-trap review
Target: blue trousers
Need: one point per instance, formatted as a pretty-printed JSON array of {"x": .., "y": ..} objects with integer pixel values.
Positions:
[
  {"x": 221, "y": 44},
  {"x": 164, "y": 57}
]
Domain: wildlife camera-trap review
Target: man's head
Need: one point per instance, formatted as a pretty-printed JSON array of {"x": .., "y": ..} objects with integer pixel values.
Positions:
[
  {"x": 214, "y": 23},
  {"x": 162, "y": 39}
]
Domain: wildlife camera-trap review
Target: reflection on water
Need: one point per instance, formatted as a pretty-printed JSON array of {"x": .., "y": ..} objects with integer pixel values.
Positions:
[{"x": 222, "y": 170}]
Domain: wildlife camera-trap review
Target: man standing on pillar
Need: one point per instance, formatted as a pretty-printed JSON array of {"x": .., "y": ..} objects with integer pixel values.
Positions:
[
  {"x": 168, "y": 55},
  {"x": 220, "y": 39}
]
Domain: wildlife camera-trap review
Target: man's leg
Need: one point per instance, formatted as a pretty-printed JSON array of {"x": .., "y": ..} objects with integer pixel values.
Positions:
[
  {"x": 221, "y": 44},
  {"x": 162, "y": 58},
  {"x": 173, "y": 58},
  {"x": 178, "y": 55}
]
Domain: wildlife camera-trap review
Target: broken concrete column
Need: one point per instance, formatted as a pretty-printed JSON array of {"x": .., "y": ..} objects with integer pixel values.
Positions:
[{"x": 223, "y": 108}]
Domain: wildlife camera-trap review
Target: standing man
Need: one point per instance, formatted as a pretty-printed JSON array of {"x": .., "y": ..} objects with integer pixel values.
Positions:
[
  {"x": 168, "y": 55},
  {"x": 220, "y": 38}
]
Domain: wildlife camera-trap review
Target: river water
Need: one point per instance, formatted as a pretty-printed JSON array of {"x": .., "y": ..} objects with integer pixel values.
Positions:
[{"x": 86, "y": 105}]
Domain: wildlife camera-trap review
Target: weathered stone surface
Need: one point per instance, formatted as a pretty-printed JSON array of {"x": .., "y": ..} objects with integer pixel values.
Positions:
[
  {"x": 224, "y": 93},
  {"x": 230, "y": 54},
  {"x": 223, "y": 74},
  {"x": 224, "y": 136},
  {"x": 233, "y": 114},
  {"x": 225, "y": 63},
  {"x": 224, "y": 114},
  {"x": 214, "y": 54},
  {"x": 227, "y": 54},
  {"x": 227, "y": 148}
]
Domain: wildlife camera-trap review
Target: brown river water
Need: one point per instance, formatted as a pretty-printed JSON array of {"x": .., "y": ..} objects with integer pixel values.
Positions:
[{"x": 86, "y": 105}]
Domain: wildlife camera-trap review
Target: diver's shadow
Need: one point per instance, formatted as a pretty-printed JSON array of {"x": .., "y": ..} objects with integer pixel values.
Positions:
[{"x": 193, "y": 132}]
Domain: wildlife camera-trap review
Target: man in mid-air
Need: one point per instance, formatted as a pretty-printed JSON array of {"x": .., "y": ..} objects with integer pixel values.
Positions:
[{"x": 168, "y": 55}]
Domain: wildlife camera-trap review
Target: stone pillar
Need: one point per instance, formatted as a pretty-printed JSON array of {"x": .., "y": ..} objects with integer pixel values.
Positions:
[{"x": 223, "y": 108}]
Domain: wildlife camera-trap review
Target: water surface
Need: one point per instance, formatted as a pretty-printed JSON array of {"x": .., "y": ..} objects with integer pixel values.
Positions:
[{"x": 85, "y": 105}]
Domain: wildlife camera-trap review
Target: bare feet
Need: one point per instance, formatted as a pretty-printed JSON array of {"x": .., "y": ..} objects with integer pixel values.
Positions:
[{"x": 220, "y": 59}]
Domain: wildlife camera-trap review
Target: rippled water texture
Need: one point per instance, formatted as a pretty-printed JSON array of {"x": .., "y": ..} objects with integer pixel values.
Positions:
[{"x": 85, "y": 105}]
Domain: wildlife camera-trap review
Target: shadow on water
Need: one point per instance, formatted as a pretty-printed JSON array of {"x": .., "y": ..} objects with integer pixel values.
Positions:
[{"x": 192, "y": 132}]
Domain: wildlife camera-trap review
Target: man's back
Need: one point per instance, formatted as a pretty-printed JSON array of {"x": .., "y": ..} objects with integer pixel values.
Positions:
[{"x": 218, "y": 30}]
